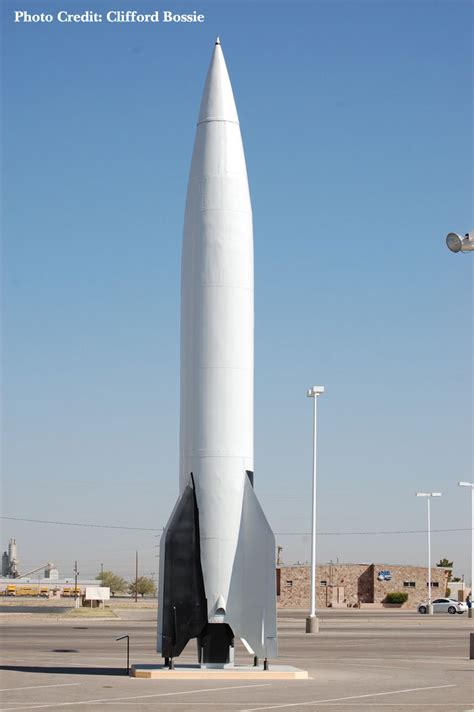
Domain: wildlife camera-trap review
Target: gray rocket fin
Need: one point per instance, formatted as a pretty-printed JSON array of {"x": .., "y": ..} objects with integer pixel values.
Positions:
[{"x": 251, "y": 606}]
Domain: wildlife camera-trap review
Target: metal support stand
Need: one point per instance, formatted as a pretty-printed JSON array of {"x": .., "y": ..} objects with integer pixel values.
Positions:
[
  {"x": 265, "y": 664},
  {"x": 123, "y": 637},
  {"x": 255, "y": 661},
  {"x": 217, "y": 645}
]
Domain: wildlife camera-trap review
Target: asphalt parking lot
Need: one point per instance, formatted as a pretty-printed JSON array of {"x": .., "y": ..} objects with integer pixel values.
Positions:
[{"x": 377, "y": 661}]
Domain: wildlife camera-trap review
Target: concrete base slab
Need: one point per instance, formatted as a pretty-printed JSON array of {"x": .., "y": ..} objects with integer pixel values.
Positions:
[{"x": 239, "y": 672}]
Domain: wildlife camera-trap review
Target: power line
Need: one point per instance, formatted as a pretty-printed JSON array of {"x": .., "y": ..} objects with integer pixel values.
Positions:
[
  {"x": 401, "y": 531},
  {"x": 152, "y": 529},
  {"x": 78, "y": 524}
]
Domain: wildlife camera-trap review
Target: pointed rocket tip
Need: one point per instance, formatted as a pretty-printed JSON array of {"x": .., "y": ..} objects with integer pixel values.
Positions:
[{"x": 217, "y": 100}]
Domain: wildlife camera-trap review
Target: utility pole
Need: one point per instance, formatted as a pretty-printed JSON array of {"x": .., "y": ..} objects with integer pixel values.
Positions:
[
  {"x": 76, "y": 573},
  {"x": 136, "y": 576},
  {"x": 102, "y": 574}
]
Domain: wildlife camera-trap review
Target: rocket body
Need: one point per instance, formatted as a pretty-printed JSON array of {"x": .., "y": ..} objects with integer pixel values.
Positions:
[
  {"x": 233, "y": 566},
  {"x": 217, "y": 329}
]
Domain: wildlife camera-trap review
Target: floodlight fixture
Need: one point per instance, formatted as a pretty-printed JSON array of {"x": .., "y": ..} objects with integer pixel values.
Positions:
[{"x": 460, "y": 243}]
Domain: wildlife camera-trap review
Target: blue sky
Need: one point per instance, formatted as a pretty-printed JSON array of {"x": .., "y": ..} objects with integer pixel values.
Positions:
[{"x": 356, "y": 119}]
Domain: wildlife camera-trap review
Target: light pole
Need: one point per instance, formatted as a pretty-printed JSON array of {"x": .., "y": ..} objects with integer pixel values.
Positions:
[
  {"x": 428, "y": 496},
  {"x": 312, "y": 622},
  {"x": 471, "y": 485}
]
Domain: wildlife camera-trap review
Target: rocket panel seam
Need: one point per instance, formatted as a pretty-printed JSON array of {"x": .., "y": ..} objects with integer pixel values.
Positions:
[
  {"x": 216, "y": 453},
  {"x": 217, "y": 120},
  {"x": 224, "y": 210},
  {"x": 212, "y": 455},
  {"x": 226, "y": 368},
  {"x": 226, "y": 286}
]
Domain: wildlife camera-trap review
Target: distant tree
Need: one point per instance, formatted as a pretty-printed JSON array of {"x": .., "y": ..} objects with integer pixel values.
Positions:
[
  {"x": 116, "y": 583},
  {"x": 446, "y": 564},
  {"x": 144, "y": 585},
  {"x": 456, "y": 579}
]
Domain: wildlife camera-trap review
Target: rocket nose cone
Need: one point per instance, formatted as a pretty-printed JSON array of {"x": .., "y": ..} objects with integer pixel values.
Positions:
[{"x": 217, "y": 102}]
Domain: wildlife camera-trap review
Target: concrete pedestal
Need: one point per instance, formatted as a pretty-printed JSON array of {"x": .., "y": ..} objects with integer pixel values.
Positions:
[
  {"x": 469, "y": 612},
  {"x": 430, "y": 609},
  {"x": 312, "y": 624},
  {"x": 238, "y": 672}
]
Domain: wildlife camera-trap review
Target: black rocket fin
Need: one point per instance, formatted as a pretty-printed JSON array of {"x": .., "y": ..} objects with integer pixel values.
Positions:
[{"x": 183, "y": 600}]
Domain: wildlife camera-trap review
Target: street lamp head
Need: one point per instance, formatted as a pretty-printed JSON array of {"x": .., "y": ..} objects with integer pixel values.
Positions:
[
  {"x": 436, "y": 494},
  {"x": 466, "y": 484},
  {"x": 315, "y": 391},
  {"x": 458, "y": 243},
  {"x": 428, "y": 494}
]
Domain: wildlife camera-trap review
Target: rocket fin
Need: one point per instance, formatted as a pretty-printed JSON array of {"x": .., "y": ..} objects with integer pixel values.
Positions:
[
  {"x": 182, "y": 607},
  {"x": 251, "y": 605}
]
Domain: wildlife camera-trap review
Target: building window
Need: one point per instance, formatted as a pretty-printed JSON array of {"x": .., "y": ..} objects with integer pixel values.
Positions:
[
  {"x": 323, "y": 583},
  {"x": 409, "y": 584},
  {"x": 289, "y": 584},
  {"x": 434, "y": 584}
]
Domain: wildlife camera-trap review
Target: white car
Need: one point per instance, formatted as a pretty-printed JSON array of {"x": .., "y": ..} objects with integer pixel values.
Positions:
[{"x": 444, "y": 605}]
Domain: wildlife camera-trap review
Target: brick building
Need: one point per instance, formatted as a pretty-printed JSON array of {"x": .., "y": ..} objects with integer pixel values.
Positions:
[{"x": 341, "y": 585}]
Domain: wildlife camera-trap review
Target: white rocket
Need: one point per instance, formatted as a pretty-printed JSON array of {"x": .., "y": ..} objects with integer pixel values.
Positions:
[{"x": 217, "y": 563}]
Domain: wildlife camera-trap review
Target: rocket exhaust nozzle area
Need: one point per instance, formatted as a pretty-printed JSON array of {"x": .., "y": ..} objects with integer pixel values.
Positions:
[{"x": 220, "y": 606}]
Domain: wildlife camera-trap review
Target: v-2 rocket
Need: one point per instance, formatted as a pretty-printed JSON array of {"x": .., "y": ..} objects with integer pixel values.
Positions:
[{"x": 217, "y": 552}]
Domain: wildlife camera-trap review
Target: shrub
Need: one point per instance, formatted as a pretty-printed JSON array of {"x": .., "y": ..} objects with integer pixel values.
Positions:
[{"x": 396, "y": 597}]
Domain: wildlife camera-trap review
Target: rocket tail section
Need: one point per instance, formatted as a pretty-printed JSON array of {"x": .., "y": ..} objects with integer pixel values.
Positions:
[
  {"x": 182, "y": 606},
  {"x": 250, "y": 612}
]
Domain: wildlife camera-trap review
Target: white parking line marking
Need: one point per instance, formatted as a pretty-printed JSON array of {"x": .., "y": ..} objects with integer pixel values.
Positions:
[
  {"x": 417, "y": 705},
  {"x": 39, "y": 687},
  {"x": 134, "y": 697},
  {"x": 439, "y": 661},
  {"x": 341, "y": 699}
]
